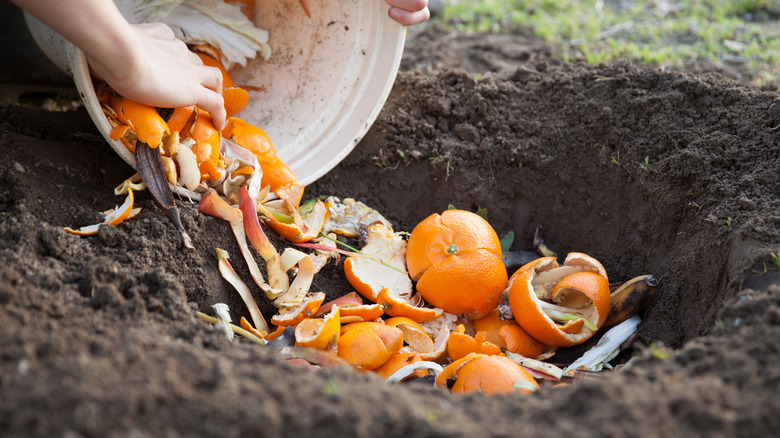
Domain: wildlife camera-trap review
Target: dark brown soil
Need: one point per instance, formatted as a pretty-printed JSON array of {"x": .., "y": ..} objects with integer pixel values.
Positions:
[{"x": 674, "y": 174}]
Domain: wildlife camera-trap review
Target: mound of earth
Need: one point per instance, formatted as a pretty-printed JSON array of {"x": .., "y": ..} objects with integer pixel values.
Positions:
[{"x": 669, "y": 173}]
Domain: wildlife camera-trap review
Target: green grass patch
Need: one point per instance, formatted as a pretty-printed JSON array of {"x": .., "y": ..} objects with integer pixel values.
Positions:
[{"x": 664, "y": 33}]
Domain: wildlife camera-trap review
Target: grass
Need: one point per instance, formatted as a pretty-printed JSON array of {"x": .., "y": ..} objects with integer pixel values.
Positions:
[{"x": 660, "y": 32}]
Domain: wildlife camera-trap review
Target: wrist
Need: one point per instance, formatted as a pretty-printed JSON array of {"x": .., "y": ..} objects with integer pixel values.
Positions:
[{"x": 118, "y": 58}]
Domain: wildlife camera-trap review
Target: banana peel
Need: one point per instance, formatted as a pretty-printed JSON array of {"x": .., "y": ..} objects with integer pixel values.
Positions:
[
  {"x": 628, "y": 299},
  {"x": 151, "y": 169}
]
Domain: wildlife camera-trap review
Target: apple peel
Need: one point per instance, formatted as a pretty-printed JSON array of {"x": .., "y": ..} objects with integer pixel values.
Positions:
[
  {"x": 212, "y": 205},
  {"x": 277, "y": 275},
  {"x": 230, "y": 275},
  {"x": 297, "y": 291}
]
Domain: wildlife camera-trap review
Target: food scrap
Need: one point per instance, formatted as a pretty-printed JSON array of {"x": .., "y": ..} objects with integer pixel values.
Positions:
[
  {"x": 436, "y": 303},
  {"x": 114, "y": 217},
  {"x": 389, "y": 327}
]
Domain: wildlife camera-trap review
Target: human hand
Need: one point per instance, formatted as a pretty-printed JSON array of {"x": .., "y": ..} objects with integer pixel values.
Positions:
[
  {"x": 158, "y": 69},
  {"x": 409, "y": 12}
]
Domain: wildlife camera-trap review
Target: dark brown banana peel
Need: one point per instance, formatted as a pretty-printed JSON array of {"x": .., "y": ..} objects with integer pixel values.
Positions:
[
  {"x": 513, "y": 260},
  {"x": 628, "y": 299},
  {"x": 539, "y": 246},
  {"x": 151, "y": 170}
]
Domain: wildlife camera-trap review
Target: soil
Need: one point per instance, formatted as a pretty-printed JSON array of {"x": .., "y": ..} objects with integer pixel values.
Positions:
[{"x": 649, "y": 171}]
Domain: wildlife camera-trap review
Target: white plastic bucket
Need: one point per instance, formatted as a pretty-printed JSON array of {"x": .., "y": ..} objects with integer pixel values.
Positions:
[{"x": 325, "y": 83}]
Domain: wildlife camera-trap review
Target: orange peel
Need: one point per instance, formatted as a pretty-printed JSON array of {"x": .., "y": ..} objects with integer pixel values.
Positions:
[
  {"x": 583, "y": 304},
  {"x": 244, "y": 324},
  {"x": 369, "y": 345},
  {"x": 394, "y": 305},
  {"x": 460, "y": 344},
  {"x": 305, "y": 309},
  {"x": 398, "y": 361},
  {"x": 368, "y": 276},
  {"x": 493, "y": 375},
  {"x": 320, "y": 333},
  {"x": 236, "y": 99},
  {"x": 415, "y": 338},
  {"x": 508, "y": 335},
  {"x": 113, "y": 217},
  {"x": 363, "y": 312},
  {"x": 142, "y": 119},
  {"x": 313, "y": 221},
  {"x": 249, "y": 136}
]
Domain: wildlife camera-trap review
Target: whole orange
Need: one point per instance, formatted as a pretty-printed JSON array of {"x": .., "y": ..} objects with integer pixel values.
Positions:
[{"x": 455, "y": 258}]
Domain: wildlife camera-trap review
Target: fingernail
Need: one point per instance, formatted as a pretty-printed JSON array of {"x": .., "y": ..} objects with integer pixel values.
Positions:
[{"x": 395, "y": 14}]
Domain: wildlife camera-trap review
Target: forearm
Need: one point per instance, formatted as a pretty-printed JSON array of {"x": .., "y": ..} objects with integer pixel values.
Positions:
[{"x": 95, "y": 26}]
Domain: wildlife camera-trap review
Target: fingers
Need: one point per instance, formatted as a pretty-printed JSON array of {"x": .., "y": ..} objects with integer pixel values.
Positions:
[
  {"x": 408, "y": 12},
  {"x": 213, "y": 102},
  {"x": 408, "y": 5},
  {"x": 212, "y": 78},
  {"x": 409, "y": 18}
]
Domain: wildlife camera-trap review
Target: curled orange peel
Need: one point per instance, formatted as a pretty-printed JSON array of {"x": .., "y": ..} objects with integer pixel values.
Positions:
[
  {"x": 113, "y": 217},
  {"x": 368, "y": 345},
  {"x": 451, "y": 370},
  {"x": 142, "y": 119},
  {"x": 398, "y": 361},
  {"x": 369, "y": 277},
  {"x": 394, "y": 305},
  {"x": 415, "y": 337},
  {"x": 440, "y": 337},
  {"x": 320, "y": 333},
  {"x": 306, "y": 309},
  {"x": 312, "y": 223},
  {"x": 461, "y": 344},
  {"x": 493, "y": 375},
  {"x": 583, "y": 298},
  {"x": 236, "y": 99},
  {"x": 362, "y": 312},
  {"x": 244, "y": 324}
]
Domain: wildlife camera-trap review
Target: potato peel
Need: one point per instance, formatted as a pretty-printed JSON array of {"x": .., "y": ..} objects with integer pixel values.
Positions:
[{"x": 188, "y": 167}]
